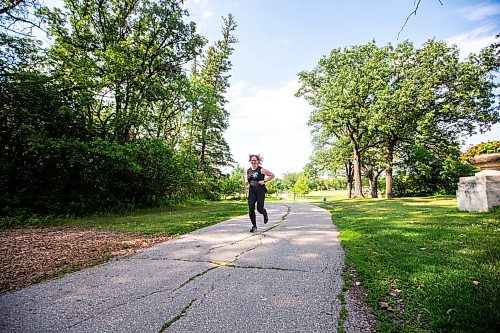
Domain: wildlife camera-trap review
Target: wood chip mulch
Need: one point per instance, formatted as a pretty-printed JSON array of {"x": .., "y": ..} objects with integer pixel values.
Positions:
[{"x": 31, "y": 255}]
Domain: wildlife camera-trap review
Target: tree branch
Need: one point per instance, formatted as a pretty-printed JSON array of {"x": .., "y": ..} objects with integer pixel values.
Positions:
[
  {"x": 8, "y": 7},
  {"x": 414, "y": 12}
]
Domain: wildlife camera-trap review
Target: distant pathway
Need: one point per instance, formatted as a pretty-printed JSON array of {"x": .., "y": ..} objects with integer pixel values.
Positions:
[{"x": 284, "y": 278}]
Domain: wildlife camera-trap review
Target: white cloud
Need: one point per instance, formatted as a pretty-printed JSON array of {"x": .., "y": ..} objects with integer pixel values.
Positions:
[
  {"x": 271, "y": 122},
  {"x": 479, "y": 12},
  {"x": 473, "y": 41},
  {"x": 198, "y": 8}
]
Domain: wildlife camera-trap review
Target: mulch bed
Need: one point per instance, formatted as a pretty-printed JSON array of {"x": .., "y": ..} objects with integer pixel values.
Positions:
[{"x": 31, "y": 255}]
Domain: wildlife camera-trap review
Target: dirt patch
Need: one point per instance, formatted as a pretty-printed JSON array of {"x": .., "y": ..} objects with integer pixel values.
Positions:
[
  {"x": 32, "y": 255},
  {"x": 360, "y": 317}
]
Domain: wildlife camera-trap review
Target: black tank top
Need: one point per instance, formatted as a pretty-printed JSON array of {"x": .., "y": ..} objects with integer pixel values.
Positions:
[{"x": 254, "y": 176}]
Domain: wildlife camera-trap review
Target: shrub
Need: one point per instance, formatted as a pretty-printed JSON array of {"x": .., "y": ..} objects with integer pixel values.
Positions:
[{"x": 489, "y": 147}]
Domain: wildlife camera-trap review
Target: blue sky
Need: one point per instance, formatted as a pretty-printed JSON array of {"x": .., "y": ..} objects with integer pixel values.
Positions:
[{"x": 280, "y": 38}]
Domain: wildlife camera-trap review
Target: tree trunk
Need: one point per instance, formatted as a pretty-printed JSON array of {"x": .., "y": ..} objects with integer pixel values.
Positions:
[
  {"x": 373, "y": 186},
  {"x": 202, "y": 155},
  {"x": 349, "y": 177},
  {"x": 389, "y": 182},
  {"x": 358, "y": 190}
]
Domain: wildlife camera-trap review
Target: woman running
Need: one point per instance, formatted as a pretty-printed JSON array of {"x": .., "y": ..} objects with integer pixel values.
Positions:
[{"x": 257, "y": 177}]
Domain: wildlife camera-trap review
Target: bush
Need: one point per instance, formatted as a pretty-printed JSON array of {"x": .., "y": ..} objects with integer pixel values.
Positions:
[
  {"x": 76, "y": 177},
  {"x": 489, "y": 147},
  {"x": 424, "y": 173}
]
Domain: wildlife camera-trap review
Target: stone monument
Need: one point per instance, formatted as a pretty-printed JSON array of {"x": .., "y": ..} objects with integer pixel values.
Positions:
[{"x": 481, "y": 192}]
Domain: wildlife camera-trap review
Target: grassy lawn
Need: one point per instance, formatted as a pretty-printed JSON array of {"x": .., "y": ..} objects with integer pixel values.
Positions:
[
  {"x": 436, "y": 267},
  {"x": 176, "y": 220}
]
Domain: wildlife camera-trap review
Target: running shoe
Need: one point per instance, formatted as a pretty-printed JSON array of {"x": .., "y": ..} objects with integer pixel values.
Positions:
[{"x": 254, "y": 229}]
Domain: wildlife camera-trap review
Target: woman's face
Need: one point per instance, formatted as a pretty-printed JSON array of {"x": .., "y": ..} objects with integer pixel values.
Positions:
[{"x": 254, "y": 161}]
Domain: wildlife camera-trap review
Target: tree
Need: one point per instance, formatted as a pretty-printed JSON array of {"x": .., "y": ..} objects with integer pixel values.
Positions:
[
  {"x": 275, "y": 187},
  {"x": 124, "y": 58},
  {"x": 341, "y": 89},
  {"x": 334, "y": 157},
  {"x": 289, "y": 180},
  {"x": 19, "y": 49},
  {"x": 432, "y": 99},
  {"x": 234, "y": 184},
  {"x": 372, "y": 165},
  {"x": 208, "y": 119},
  {"x": 301, "y": 186}
]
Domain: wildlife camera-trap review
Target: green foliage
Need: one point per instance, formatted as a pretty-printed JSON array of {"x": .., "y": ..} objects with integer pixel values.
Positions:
[
  {"x": 233, "y": 185},
  {"x": 274, "y": 187},
  {"x": 107, "y": 130},
  {"x": 301, "y": 186},
  {"x": 19, "y": 50},
  {"x": 450, "y": 172},
  {"x": 386, "y": 97},
  {"x": 207, "y": 118},
  {"x": 289, "y": 180},
  {"x": 52, "y": 163},
  {"x": 482, "y": 148},
  {"x": 76, "y": 177},
  {"x": 422, "y": 256},
  {"x": 422, "y": 173},
  {"x": 125, "y": 60}
]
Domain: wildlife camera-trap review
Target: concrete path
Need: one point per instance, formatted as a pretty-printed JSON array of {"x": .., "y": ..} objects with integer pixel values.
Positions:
[{"x": 284, "y": 278}]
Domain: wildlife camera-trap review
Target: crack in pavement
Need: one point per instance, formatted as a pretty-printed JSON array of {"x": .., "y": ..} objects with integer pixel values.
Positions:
[
  {"x": 179, "y": 316},
  {"x": 262, "y": 234},
  {"x": 213, "y": 248},
  {"x": 231, "y": 265},
  {"x": 138, "y": 297},
  {"x": 269, "y": 268}
]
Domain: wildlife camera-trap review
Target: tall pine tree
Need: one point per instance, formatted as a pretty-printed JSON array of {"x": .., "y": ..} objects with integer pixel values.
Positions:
[{"x": 208, "y": 118}]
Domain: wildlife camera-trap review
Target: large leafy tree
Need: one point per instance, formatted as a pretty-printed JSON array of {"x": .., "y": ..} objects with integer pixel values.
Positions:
[
  {"x": 342, "y": 88},
  {"x": 432, "y": 98},
  {"x": 97, "y": 127},
  {"x": 125, "y": 60}
]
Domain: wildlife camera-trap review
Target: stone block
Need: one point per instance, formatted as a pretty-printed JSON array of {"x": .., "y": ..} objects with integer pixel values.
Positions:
[{"x": 480, "y": 192}]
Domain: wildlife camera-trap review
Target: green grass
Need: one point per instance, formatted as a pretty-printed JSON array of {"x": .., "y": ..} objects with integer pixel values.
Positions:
[
  {"x": 429, "y": 250},
  {"x": 176, "y": 220}
]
